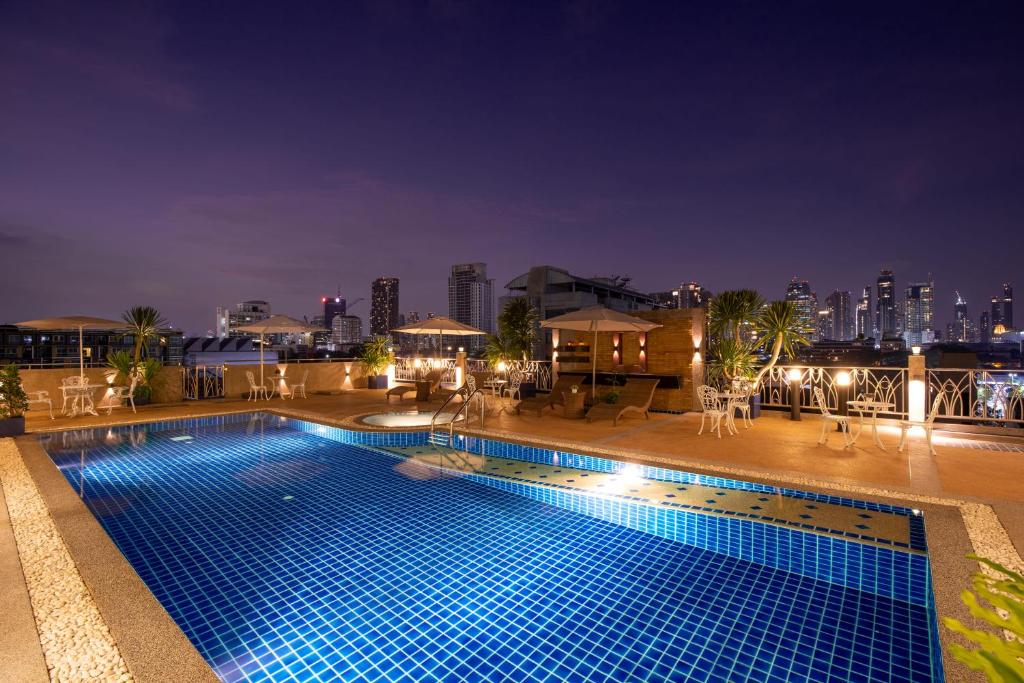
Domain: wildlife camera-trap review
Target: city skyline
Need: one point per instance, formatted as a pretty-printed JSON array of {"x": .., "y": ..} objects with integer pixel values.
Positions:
[{"x": 738, "y": 150}]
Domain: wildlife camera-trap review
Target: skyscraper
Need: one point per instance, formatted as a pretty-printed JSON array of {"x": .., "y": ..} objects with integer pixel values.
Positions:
[
  {"x": 346, "y": 329},
  {"x": 864, "y": 328},
  {"x": 1007, "y": 306},
  {"x": 885, "y": 305},
  {"x": 245, "y": 313},
  {"x": 919, "y": 313},
  {"x": 333, "y": 305},
  {"x": 471, "y": 298},
  {"x": 963, "y": 326},
  {"x": 383, "y": 306},
  {"x": 822, "y": 325},
  {"x": 985, "y": 328},
  {"x": 840, "y": 316},
  {"x": 799, "y": 292}
]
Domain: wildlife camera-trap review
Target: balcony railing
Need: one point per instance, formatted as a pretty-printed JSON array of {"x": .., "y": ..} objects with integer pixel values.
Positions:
[
  {"x": 983, "y": 397},
  {"x": 408, "y": 369}
]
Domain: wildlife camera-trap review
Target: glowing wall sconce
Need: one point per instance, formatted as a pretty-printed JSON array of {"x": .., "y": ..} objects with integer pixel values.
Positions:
[
  {"x": 462, "y": 349},
  {"x": 843, "y": 379},
  {"x": 502, "y": 366}
]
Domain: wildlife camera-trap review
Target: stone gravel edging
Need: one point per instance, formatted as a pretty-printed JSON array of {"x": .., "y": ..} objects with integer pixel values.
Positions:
[{"x": 76, "y": 643}]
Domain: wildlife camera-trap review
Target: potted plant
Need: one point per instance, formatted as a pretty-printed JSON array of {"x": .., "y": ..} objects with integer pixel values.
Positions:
[
  {"x": 13, "y": 402},
  {"x": 149, "y": 375},
  {"x": 517, "y": 330},
  {"x": 375, "y": 358}
]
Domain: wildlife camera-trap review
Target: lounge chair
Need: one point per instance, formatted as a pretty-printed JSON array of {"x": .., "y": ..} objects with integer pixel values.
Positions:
[
  {"x": 554, "y": 398},
  {"x": 402, "y": 389},
  {"x": 636, "y": 397}
]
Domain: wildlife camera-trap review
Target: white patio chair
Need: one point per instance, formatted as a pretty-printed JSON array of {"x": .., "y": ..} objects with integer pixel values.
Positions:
[
  {"x": 300, "y": 386},
  {"x": 70, "y": 389},
  {"x": 745, "y": 387},
  {"x": 120, "y": 394},
  {"x": 255, "y": 389},
  {"x": 927, "y": 424},
  {"x": 511, "y": 389},
  {"x": 828, "y": 419},
  {"x": 41, "y": 397},
  {"x": 711, "y": 407}
]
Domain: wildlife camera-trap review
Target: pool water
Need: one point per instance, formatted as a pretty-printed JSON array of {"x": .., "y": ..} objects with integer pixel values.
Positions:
[
  {"x": 287, "y": 555},
  {"x": 406, "y": 418}
]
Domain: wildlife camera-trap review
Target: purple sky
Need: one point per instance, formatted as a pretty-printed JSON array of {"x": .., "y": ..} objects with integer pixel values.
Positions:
[{"x": 189, "y": 155}]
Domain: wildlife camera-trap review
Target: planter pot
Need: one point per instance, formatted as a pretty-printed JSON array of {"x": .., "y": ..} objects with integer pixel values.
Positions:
[
  {"x": 377, "y": 382},
  {"x": 142, "y": 401},
  {"x": 12, "y": 426},
  {"x": 528, "y": 389},
  {"x": 755, "y": 407}
]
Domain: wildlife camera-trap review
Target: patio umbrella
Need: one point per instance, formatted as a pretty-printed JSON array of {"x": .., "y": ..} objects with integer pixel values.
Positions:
[
  {"x": 440, "y": 326},
  {"x": 598, "y": 319},
  {"x": 70, "y": 322},
  {"x": 276, "y": 324}
]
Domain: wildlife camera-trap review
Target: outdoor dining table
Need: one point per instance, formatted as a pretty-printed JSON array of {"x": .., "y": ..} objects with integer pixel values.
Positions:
[
  {"x": 874, "y": 407},
  {"x": 81, "y": 399},
  {"x": 730, "y": 413},
  {"x": 278, "y": 384},
  {"x": 495, "y": 385}
]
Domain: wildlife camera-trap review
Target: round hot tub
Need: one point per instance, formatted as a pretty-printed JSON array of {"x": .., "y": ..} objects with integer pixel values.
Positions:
[{"x": 408, "y": 418}]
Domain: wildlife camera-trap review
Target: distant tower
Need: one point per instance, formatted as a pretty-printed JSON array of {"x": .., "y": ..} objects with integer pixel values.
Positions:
[
  {"x": 963, "y": 326},
  {"x": 471, "y": 299},
  {"x": 840, "y": 316},
  {"x": 1008, "y": 305},
  {"x": 885, "y": 304},
  {"x": 799, "y": 292},
  {"x": 383, "y": 306},
  {"x": 864, "y": 328},
  {"x": 985, "y": 328},
  {"x": 919, "y": 313}
]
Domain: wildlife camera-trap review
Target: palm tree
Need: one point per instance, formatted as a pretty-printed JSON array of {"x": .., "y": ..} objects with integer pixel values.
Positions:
[
  {"x": 500, "y": 349},
  {"x": 517, "y": 327},
  {"x": 730, "y": 310},
  {"x": 780, "y": 329},
  {"x": 144, "y": 322}
]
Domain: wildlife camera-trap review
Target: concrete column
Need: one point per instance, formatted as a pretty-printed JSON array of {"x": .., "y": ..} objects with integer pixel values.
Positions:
[
  {"x": 460, "y": 368},
  {"x": 917, "y": 388}
]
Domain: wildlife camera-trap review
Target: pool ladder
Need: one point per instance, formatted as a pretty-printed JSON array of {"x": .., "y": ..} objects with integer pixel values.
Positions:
[{"x": 440, "y": 438}]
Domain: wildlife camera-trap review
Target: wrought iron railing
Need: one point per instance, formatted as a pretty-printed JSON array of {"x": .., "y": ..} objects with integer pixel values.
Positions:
[
  {"x": 536, "y": 371},
  {"x": 202, "y": 381},
  {"x": 993, "y": 397},
  {"x": 884, "y": 384}
]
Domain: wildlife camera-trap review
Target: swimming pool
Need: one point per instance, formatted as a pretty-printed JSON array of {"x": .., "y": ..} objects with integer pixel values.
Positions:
[{"x": 288, "y": 550}]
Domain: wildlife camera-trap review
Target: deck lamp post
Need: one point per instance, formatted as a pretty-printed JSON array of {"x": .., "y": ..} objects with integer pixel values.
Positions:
[
  {"x": 793, "y": 375},
  {"x": 843, "y": 382}
]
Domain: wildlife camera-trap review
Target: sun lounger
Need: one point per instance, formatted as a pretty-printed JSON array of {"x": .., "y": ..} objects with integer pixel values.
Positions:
[
  {"x": 402, "y": 389},
  {"x": 554, "y": 398},
  {"x": 636, "y": 397}
]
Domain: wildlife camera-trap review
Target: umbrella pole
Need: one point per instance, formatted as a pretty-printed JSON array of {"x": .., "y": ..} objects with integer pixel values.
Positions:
[
  {"x": 261, "y": 359},
  {"x": 81, "y": 352},
  {"x": 593, "y": 374}
]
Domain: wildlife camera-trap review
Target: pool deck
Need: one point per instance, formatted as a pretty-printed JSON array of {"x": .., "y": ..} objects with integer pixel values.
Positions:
[{"x": 971, "y": 492}]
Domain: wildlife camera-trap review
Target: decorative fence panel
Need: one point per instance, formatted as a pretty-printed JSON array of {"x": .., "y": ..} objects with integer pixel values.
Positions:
[
  {"x": 537, "y": 371},
  {"x": 883, "y": 384},
  {"x": 991, "y": 397},
  {"x": 202, "y": 381}
]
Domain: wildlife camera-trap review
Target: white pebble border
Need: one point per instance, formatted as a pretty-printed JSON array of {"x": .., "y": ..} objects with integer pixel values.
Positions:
[{"x": 76, "y": 643}]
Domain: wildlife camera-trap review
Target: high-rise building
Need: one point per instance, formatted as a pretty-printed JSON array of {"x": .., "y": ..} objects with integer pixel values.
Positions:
[
  {"x": 346, "y": 329},
  {"x": 383, "y": 306},
  {"x": 919, "y": 313},
  {"x": 244, "y": 313},
  {"x": 985, "y": 328},
  {"x": 1002, "y": 307},
  {"x": 885, "y": 305},
  {"x": 799, "y": 292},
  {"x": 822, "y": 325},
  {"x": 333, "y": 305},
  {"x": 840, "y": 316},
  {"x": 471, "y": 299},
  {"x": 692, "y": 295},
  {"x": 864, "y": 328},
  {"x": 962, "y": 329}
]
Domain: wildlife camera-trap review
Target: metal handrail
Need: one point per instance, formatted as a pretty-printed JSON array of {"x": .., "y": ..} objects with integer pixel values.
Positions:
[
  {"x": 467, "y": 400},
  {"x": 465, "y": 406}
]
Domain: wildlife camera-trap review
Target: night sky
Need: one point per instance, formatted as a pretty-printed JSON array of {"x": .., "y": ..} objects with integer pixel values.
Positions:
[{"x": 189, "y": 155}]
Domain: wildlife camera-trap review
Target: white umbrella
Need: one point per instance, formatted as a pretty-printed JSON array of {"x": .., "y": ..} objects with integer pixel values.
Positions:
[
  {"x": 70, "y": 322},
  {"x": 440, "y": 326},
  {"x": 598, "y": 319},
  {"x": 276, "y": 324}
]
